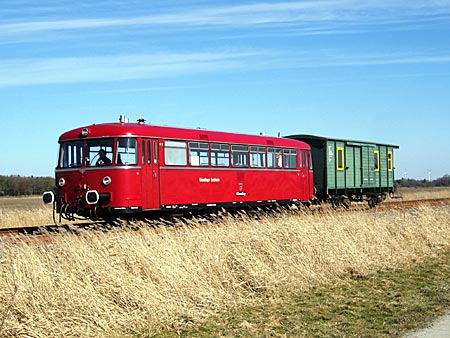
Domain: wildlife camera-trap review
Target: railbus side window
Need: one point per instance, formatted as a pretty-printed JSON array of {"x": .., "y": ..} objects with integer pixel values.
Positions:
[
  {"x": 257, "y": 156},
  {"x": 220, "y": 155},
  {"x": 71, "y": 154},
  {"x": 290, "y": 158},
  {"x": 126, "y": 151},
  {"x": 198, "y": 154},
  {"x": 239, "y": 155},
  {"x": 175, "y": 152},
  {"x": 274, "y": 160}
]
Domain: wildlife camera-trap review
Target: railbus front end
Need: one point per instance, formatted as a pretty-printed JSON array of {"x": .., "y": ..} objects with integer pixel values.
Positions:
[{"x": 96, "y": 177}]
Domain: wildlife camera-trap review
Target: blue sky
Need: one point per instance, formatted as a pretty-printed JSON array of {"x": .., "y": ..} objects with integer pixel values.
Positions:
[{"x": 365, "y": 70}]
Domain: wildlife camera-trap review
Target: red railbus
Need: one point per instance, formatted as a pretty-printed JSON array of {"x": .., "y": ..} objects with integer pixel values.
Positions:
[{"x": 114, "y": 168}]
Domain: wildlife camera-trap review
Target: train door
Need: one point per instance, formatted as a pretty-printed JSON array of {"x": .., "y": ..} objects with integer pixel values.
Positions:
[
  {"x": 150, "y": 173},
  {"x": 367, "y": 164},
  {"x": 305, "y": 180},
  {"x": 353, "y": 167}
]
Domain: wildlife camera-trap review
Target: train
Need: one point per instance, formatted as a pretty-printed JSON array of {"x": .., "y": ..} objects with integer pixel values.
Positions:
[{"x": 122, "y": 168}]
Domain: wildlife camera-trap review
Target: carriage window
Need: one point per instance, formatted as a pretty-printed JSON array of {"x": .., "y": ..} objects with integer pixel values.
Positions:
[
  {"x": 198, "y": 153},
  {"x": 290, "y": 158},
  {"x": 99, "y": 152},
  {"x": 126, "y": 151},
  {"x": 240, "y": 155},
  {"x": 376, "y": 160},
  {"x": 71, "y": 154},
  {"x": 275, "y": 160},
  {"x": 175, "y": 153},
  {"x": 220, "y": 155},
  {"x": 257, "y": 156},
  {"x": 340, "y": 159},
  {"x": 390, "y": 167}
]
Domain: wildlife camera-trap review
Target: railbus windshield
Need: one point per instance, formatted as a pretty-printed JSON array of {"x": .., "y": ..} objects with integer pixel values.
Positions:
[
  {"x": 98, "y": 152},
  {"x": 71, "y": 154}
]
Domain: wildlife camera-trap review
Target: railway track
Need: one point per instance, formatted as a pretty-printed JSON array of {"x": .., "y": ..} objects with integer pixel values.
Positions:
[
  {"x": 36, "y": 230},
  {"x": 104, "y": 226}
]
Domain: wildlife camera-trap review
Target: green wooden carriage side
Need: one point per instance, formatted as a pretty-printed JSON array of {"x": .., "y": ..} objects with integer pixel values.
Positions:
[{"x": 356, "y": 169}]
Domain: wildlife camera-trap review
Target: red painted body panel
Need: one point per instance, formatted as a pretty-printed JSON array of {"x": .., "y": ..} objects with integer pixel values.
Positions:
[
  {"x": 234, "y": 185},
  {"x": 150, "y": 184}
]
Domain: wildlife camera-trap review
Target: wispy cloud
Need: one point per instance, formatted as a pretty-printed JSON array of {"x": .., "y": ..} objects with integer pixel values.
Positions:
[
  {"x": 120, "y": 67},
  {"x": 342, "y": 12},
  {"x": 333, "y": 58},
  {"x": 20, "y": 72}
]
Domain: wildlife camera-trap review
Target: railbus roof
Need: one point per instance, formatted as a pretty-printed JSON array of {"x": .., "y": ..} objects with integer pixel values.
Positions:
[{"x": 175, "y": 133}]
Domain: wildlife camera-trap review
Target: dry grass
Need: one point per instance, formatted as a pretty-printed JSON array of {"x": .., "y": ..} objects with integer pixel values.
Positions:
[
  {"x": 410, "y": 194},
  {"x": 134, "y": 283},
  {"x": 24, "y": 211}
]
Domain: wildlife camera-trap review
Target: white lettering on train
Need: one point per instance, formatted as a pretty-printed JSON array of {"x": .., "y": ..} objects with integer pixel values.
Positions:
[{"x": 209, "y": 180}]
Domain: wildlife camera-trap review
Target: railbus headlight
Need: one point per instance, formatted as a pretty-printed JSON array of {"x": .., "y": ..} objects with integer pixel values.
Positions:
[
  {"x": 61, "y": 182},
  {"x": 106, "y": 180},
  {"x": 48, "y": 197},
  {"x": 92, "y": 197}
]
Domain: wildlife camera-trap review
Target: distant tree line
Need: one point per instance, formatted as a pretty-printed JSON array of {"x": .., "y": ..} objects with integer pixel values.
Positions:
[
  {"x": 443, "y": 181},
  {"x": 16, "y": 185}
]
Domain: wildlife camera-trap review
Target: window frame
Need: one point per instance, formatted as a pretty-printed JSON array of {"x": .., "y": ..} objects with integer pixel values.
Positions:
[
  {"x": 340, "y": 158},
  {"x": 376, "y": 165},
  {"x": 390, "y": 161},
  {"x": 241, "y": 154},
  {"x": 118, "y": 151},
  {"x": 196, "y": 150},
  {"x": 76, "y": 151},
  {"x": 91, "y": 156},
  {"x": 288, "y": 155},
  {"x": 169, "y": 147},
  {"x": 258, "y": 153},
  {"x": 275, "y": 157},
  {"x": 215, "y": 150}
]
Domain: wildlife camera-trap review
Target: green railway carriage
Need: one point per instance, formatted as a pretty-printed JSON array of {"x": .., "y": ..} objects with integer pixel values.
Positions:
[{"x": 346, "y": 170}]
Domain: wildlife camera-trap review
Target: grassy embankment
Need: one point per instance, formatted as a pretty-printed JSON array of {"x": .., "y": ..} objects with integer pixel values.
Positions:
[{"x": 296, "y": 274}]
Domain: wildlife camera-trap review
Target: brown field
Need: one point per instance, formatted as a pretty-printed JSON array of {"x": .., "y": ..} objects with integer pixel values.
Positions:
[
  {"x": 24, "y": 211},
  {"x": 127, "y": 283},
  {"x": 424, "y": 193}
]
